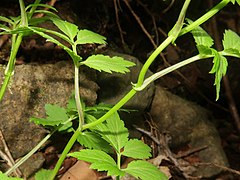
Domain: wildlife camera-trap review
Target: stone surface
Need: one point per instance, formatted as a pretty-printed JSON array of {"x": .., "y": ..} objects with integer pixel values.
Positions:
[
  {"x": 115, "y": 86},
  {"x": 32, "y": 87},
  {"x": 188, "y": 123}
]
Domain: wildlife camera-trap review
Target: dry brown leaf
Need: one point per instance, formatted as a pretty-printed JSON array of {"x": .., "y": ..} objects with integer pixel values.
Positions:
[{"x": 80, "y": 171}]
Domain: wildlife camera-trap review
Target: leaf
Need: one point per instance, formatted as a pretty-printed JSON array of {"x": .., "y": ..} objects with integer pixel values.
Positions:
[
  {"x": 108, "y": 64},
  {"x": 85, "y": 36},
  {"x": 4, "y": 19},
  {"x": 136, "y": 149},
  {"x": 100, "y": 161},
  {"x": 92, "y": 140},
  {"x": 48, "y": 13},
  {"x": 219, "y": 68},
  {"x": 5, "y": 177},
  {"x": 114, "y": 132},
  {"x": 231, "y": 43},
  {"x": 56, "y": 116},
  {"x": 68, "y": 28},
  {"x": 43, "y": 174},
  {"x": 144, "y": 170},
  {"x": 202, "y": 38}
]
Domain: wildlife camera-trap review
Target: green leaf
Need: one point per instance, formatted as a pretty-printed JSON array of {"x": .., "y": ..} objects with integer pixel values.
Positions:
[
  {"x": 67, "y": 127},
  {"x": 219, "y": 69},
  {"x": 108, "y": 64},
  {"x": 231, "y": 43},
  {"x": 114, "y": 132},
  {"x": 68, "y": 28},
  {"x": 48, "y": 13},
  {"x": 43, "y": 174},
  {"x": 4, "y": 19},
  {"x": 100, "y": 161},
  {"x": 203, "y": 40},
  {"x": 5, "y": 177},
  {"x": 144, "y": 170},
  {"x": 233, "y": 1},
  {"x": 85, "y": 36},
  {"x": 92, "y": 140},
  {"x": 136, "y": 149},
  {"x": 56, "y": 116}
]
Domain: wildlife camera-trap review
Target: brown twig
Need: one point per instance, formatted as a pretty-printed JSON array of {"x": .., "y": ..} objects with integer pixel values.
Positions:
[
  {"x": 190, "y": 151},
  {"x": 228, "y": 91},
  {"x": 116, "y": 4},
  {"x": 7, "y": 155},
  {"x": 140, "y": 24}
]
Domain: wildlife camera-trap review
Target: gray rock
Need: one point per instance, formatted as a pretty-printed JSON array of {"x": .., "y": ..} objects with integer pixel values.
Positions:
[
  {"x": 32, "y": 87},
  {"x": 115, "y": 86},
  {"x": 188, "y": 123}
]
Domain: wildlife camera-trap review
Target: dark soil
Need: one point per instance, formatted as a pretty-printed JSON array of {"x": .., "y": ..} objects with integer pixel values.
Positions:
[{"x": 158, "y": 17}]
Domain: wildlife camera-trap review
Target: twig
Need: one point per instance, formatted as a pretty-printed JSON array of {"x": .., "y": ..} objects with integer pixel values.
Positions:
[
  {"x": 228, "y": 91},
  {"x": 118, "y": 23},
  {"x": 7, "y": 155},
  {"x": 190, "y": 151},
  {"x": 140, "y": 23}
]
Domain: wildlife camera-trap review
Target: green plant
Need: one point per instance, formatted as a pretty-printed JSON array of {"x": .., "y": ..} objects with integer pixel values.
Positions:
[
  {"x": 15, "y": 23},
  {"x": 94, "y": 128}
]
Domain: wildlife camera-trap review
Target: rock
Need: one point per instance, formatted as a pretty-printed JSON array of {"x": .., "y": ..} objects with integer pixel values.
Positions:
[
  {"x": 188, "y": 123},
  {"x": 115, "y": 86},
  {"x": 32, "y": 87}
]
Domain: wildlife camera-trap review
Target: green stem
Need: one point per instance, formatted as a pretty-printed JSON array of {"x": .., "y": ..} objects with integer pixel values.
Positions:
[
  {"x": 118, "y": 163},
  {"x": 170, "y": 69},
  {"x": 64, "y": 153},
  {"x": 205, "y": 17},
  {"x": 28, "y": 155},
  {"x": 123, "y": 101},
  {"x": 24, "y": 19},
  {"x": 151, "y": 58},
  {"x": 78, "y": 98},
  {"x": 33, "y": 8},
  {"x": 11, "y": 64},
  {"x": 77, "y": 92}
]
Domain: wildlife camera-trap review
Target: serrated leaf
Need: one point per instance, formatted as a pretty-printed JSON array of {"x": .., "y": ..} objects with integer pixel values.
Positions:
[
  {"x": 92, "y": 140},
  {"x": 68, "y": 28},
  {"x": 108, "y": 64},
  {"x": 100, "y": 161},
  {"x": 144, "y": 170},
  {"x": 5, "y": 177},
  {"x": 219, "y": 68},
  {"x": 56, "y": 116},
  {"x": 114, "y": 132},
  {"x": 85, "y": 36},
  {"x": 43, "y": 174},
  {"x": 136, "y": 149},
  {"x": 231, "y": 42}
]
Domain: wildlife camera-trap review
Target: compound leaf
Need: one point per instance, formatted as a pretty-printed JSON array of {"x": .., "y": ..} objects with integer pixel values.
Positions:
[
  {"x": 219, "y": 68},
  {"x": 92, "y": 140},
  {"x": 108, "y": 64},
  {"x": 100, "y": 161},
  {"x": 136, "y": 149},
  {"x": 56, "y": 116},
  {"x": 85, "y": 36},
  {"x": 144, "y": 170}
]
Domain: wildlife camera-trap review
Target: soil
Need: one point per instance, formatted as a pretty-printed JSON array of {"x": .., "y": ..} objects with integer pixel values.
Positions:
[{"x": 192, "y": 82}]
